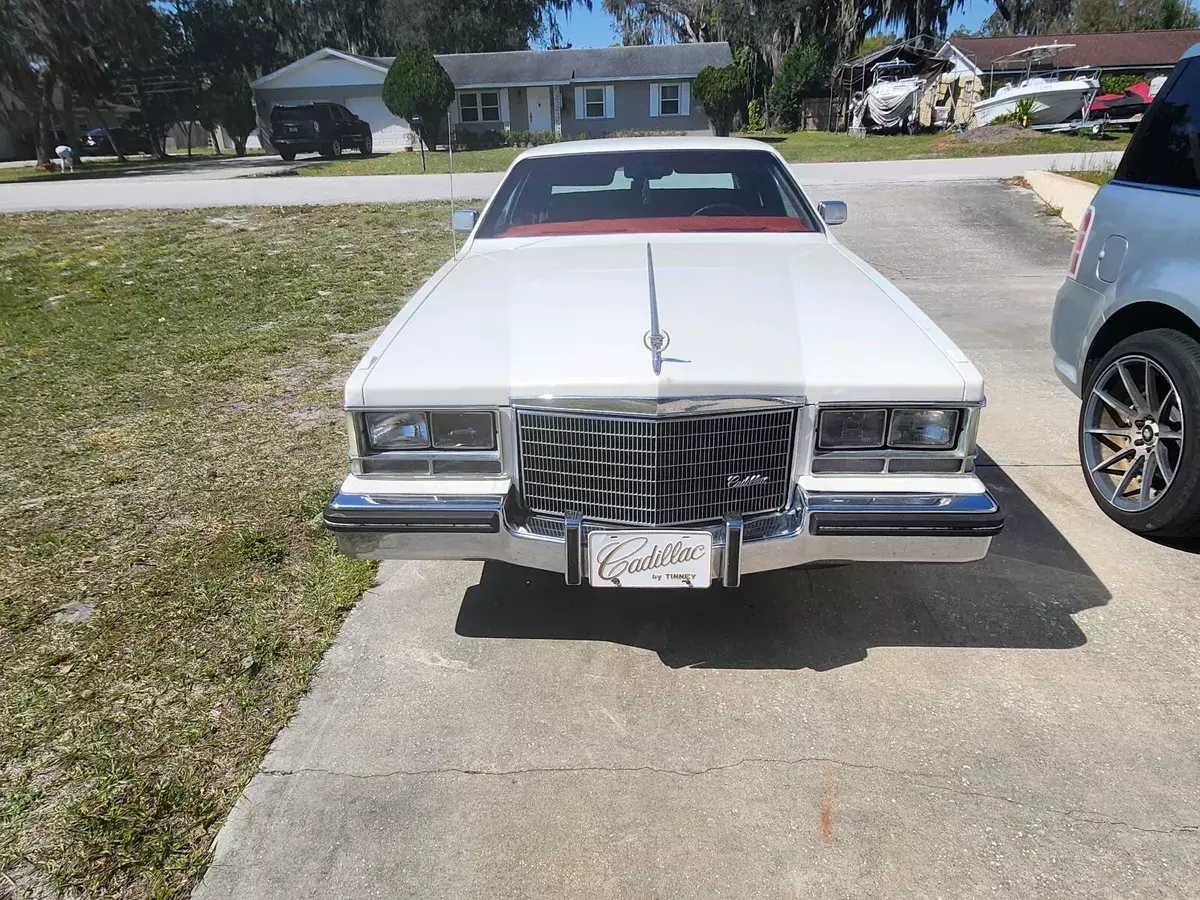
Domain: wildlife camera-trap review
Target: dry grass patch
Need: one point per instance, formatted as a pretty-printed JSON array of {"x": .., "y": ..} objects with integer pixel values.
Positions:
[{"x": 168, "y": 435}]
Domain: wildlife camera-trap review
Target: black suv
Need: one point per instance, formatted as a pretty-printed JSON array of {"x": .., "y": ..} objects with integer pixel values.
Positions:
[{"x": 325, "y": 128}]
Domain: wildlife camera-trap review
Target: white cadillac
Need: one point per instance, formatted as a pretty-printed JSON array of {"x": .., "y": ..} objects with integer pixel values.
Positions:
[{"x": 652, "y": 365}]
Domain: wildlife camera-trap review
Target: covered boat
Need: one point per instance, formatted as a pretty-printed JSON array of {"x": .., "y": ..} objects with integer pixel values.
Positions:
[{"x": 893, "y": 97}]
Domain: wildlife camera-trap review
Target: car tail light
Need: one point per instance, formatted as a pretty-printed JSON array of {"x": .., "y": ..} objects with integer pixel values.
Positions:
[{"x": 1081, "y": 240}]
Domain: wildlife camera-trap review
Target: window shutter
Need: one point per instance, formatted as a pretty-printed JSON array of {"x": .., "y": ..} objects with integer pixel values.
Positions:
[
  {"x": 580, "y": 108},
  {"x": 654, "y": 101},
  {"x": 504, "y": 117},
  {"x": 685, "y": 99},
  {"x": 610, "y": 110}
]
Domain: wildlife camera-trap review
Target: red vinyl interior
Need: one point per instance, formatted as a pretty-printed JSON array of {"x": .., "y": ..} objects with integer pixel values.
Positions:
[{"x": 663, "y": 225}]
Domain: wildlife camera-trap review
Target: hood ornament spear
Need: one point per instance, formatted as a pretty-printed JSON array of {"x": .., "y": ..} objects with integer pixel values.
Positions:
[{"x": 656, "y": 340}]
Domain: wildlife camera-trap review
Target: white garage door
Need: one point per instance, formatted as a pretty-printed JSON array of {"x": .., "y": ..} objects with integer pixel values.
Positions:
[{"x": 389, "y": 132}]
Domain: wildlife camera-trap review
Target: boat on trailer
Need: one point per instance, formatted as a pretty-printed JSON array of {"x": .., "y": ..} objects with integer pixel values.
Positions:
[
  {"x": 893, "y": 97},
  {"x": 1054, "y": 100}
]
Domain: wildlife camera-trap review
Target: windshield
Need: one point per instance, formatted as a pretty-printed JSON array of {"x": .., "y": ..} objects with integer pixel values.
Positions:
[
  {"x": 647, "y": 191},
  {"x": 294, "y": 113}
]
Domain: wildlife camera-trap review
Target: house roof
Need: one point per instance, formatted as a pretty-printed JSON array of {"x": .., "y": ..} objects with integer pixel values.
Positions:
[
  {"x": 374, "y": 69},
  {"x": 523, "y": 67},
  {"x": 583, "y": 64},
  {"x": 1121, "y": 49}
]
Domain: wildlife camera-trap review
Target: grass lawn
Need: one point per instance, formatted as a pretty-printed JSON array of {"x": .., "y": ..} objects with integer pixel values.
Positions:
[
  {"x": 106, "y": 168},
  {"x": 410, "y": 163},
  {"x": 822, "y": 146},
  {"x": 169, "y": 432},
  {"x": 1095, "y": 176},
  {"x": 802, "y": 146}
]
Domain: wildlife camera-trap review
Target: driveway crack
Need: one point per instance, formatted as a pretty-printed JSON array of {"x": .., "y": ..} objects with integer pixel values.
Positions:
[
  {"x": 917, "y": 779},
  {"x": 551, "y": 770}
]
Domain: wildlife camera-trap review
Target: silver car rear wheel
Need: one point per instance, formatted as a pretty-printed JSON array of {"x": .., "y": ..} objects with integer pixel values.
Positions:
[{"x": 1133, "y": 429}]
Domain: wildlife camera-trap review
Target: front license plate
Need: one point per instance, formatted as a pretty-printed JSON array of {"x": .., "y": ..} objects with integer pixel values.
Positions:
[{"x": 650, "y": 559}]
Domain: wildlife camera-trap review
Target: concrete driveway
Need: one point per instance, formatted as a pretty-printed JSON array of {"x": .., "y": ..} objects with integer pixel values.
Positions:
[
  {"x": 222, "y": 183},
  {"x": 1021, "y": 728}
]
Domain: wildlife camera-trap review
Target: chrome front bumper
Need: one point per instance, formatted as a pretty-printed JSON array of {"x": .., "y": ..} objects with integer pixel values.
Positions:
[{"x": 818, "y": 528}]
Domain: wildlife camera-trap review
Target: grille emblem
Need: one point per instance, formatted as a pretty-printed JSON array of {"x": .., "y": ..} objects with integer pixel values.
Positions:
[{"x": 738, "y": 481}]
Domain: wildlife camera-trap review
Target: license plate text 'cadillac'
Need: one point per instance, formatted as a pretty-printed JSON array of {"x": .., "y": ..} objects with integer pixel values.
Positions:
[{"x": 652, "y": 365}]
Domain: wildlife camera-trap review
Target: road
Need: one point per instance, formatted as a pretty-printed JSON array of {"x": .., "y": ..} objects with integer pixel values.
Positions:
[
  {"x": 211, "y": 184},
  {"x": 1021, "y": 728}
]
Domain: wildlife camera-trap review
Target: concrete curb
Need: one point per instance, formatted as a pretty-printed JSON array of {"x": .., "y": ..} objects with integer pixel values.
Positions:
[{"x": 1070, "y": 195}]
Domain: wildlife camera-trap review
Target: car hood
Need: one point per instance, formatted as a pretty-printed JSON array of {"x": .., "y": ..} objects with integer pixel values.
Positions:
[{"x": 745, "y": 315}]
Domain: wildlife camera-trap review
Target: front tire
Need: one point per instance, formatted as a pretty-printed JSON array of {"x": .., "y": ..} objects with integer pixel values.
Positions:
[
  {"x": 367, "y": 145},
  {"x": 287, "y": 155},
  {"x": 1138, "y": 437}
]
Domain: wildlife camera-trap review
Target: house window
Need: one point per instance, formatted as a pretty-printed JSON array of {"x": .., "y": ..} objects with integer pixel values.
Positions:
[
  {"x": 668, "y": 100},
  {"x": 479, "y": 107},
  {"x": 489, "y": 106},
  {"x": 468, "y": 107},
  {"x": 593, "y": 103}
]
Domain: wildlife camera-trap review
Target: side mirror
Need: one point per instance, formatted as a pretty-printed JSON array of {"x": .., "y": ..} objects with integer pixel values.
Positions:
[
  {"x": 463, "y": 220},
  {"x": 832, "y": 211}
]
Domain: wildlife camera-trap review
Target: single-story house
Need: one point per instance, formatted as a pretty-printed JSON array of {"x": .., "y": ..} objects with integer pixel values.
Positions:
[
  {"x": 1135, "y": 52},
  {"x": 570, "y": 92}
]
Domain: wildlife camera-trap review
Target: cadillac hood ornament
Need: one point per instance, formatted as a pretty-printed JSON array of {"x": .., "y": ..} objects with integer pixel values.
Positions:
[{"x": 656, "y": 340}]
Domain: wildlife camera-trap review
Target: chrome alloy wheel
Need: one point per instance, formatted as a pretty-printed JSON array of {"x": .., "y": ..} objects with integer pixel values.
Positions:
[{"x": 1133, "y": 433}]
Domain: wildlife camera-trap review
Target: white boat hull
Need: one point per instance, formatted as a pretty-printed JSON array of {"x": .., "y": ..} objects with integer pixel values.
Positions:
[{"x": 1053, "y": 102}]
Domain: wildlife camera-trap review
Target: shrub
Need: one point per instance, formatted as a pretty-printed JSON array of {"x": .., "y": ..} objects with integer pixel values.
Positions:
[
  {"x": 722, "y": 91},
  {"x": 1019, "y": 115},
  {"x": 1119, "y": 84},
  {"x": 229, "y": 102},
  {"x": 417, "y": 86},
  {"x": 803, "y": 69},
  {"x": 755, "y": 120}
]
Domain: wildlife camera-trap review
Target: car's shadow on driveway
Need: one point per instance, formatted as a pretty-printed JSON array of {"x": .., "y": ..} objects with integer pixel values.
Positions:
[{"x": 1023, "y": 595}]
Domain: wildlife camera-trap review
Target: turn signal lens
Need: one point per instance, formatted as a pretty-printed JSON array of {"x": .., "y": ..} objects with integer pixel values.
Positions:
[{"x": 1085, "y": 226}]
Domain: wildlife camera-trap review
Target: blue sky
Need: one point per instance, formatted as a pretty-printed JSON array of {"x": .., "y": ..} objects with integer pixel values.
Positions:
[{"x": 594, "y": 29}]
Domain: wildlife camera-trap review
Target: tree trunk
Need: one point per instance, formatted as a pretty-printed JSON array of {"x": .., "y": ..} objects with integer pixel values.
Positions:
[
  {"x": 45, "y": 100},
  {"x": 70, "y": 138},
  {"x": 239, "y": 144},
  {"x": 117, "y": 150},
  {"x": 152, "y": 133},
  {"x": 216, "y": 141}
]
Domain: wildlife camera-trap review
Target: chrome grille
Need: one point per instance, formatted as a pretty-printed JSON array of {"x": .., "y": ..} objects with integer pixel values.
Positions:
[{"x": 631, "y": 470}]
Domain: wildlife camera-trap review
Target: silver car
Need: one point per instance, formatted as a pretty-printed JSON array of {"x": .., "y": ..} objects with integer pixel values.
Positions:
[{"x": 1126, "y": 327}]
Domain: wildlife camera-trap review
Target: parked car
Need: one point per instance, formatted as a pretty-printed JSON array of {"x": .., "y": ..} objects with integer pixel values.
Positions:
[
  {"x": 98, "y": 143},
  {"x": 1126, "y": 326},
  {"x": 634, "y": 373},
  {"x": 325, "y": 128}
]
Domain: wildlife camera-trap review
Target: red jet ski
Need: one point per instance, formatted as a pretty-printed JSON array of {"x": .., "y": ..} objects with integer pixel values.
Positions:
[{"x": 1121, "y": 106}]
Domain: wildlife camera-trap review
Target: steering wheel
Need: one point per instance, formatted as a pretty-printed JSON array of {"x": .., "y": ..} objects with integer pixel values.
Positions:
[{"x": 717, "y": 209}]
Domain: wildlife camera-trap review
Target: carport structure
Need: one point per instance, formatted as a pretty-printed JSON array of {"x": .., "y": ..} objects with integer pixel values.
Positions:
[{"x": 854, "y": 75}]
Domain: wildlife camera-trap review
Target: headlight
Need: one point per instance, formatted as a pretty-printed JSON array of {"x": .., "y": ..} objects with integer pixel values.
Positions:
[
  {"x": 397, "y": 430},
  {"x": 923, "y": 429},
  {"x": 857, "y": 429},
  {"x": 463, "y": 431}
]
